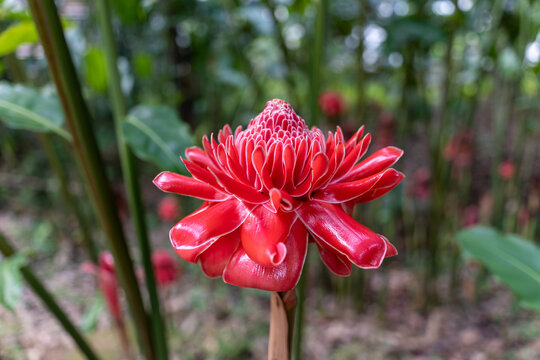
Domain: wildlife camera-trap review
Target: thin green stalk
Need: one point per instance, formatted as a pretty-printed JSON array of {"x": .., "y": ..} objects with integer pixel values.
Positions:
[
  {"x": 19, "y": 75},
  {"x": 361, "y": 76},
  {"x": 48, "y": 300},
  {"x": 317, "y": 55},
  {"x": 80, "y": 122},
  {"x": 130, "y": 177},
  {"x": 56, "y": 166},
  {"x": 288, "y": 60}
]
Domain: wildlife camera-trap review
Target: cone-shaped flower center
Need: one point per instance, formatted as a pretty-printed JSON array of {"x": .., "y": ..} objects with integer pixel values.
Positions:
[{"x": 277, "y": 121}]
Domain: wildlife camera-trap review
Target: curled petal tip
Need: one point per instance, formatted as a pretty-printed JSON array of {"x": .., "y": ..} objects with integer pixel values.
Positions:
[
  {"x": 373, "y": 256},
  {"x": 278, "y": 255},
  {"x": 390, "y": 249}
]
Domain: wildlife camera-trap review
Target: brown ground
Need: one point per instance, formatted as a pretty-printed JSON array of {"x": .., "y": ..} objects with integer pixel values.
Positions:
[{"x": 208, "y": 319}]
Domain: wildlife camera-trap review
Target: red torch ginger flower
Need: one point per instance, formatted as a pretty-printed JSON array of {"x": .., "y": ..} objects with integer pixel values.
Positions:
[
  {"x": 271, "y": 188},
  {"x": 107, "y": 281},
  {"x": 169, "y": 209},
  {"x": 165, "y": 268},
  {"x": 331, "y": 103},
  {"x": 507, "y": 170}
]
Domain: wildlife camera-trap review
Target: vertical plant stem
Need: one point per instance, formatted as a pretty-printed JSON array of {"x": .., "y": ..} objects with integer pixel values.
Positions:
[
  {"x": 131, "y": 180},
  {"x": 80, "y": 122},
  {"x": 317, "y": 54},
  {"x": 287, "y": 58},
  {"x": 296, "y": 346},
  {"x": 56, "y": 166},
  {"x": 49, "y": 301},
  {"x": 281, "y": 324}
]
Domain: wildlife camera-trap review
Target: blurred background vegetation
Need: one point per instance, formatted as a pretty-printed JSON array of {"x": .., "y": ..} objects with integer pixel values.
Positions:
[{"x": 452, "y": 82}]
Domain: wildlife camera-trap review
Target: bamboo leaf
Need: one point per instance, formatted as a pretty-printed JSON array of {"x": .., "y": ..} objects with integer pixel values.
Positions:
[
  {"x": 11, "y": 282},
  {"x": 156, "y": 134},
  {"x": 23, "y": 107},
  {"x": 514, "y": 260}
]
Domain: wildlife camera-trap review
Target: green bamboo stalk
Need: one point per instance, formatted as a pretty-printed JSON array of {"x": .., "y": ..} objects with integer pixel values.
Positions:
[
  {"x": 317, "y": 55},
  {"x": 80, "y": 122},
  {"x": 130, "y": 177},
  {"x": 288, "y": 60},
  {"x": 54, "y": 162},
  {"x": 49, "y": 301}
]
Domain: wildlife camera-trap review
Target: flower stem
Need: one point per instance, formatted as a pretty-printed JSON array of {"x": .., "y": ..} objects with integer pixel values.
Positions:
[
  {"x": 282, "y": 307},
  {"x": 48, "y": 300},
  {"x": 130, "y": 177},
  {"x": 296, "y": 347},
  {"x": 78, "y": 117}
]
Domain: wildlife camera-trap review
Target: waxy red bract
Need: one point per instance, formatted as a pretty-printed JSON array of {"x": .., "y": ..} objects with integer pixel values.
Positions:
[{"x": 272, "y": 188}]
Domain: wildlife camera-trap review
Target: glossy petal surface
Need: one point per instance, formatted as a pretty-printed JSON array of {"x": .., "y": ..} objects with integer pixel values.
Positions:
[
  {"x": 339, "y": 231},
  {"x": 183, "y": 185},
  {"x": 263, "y": 234},
  {"x": 198, "y": 231},
  {"x": 242, "y": 271},
  {"x": 215, "y": 258}
]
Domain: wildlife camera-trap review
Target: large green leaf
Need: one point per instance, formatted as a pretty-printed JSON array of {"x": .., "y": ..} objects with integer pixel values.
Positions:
[
  {"x": 156, "y": 134},
  {"x": 129, "y": 11},
  {"x": 17, "y": 34},
  {"x": 515, "y": 261},
  {"x": 11, "y": 282},
  {"x": 95, "y": 69},
  {"x": 23, "y": 107}
]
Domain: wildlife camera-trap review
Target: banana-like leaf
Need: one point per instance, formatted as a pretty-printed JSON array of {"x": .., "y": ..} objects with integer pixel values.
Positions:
[
  {"x": 23, "y": 107},
  {"x": 514, "y": 260},
  {"x": 156, "y": 134}
]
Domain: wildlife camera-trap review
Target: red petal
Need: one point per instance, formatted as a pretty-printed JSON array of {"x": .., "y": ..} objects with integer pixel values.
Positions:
[
  {"x": 216, "y": 257},
  {"x": 336, "y": 262},
  {"x": 377, "y": 162},
  {"x": 183, "y": 185},
  {"x": 242, "y": 271},
  {"x": 341, "y": 192},
  {"x": 199, "y": 230},
  {"x": 391, "y": 249},
  {"x": 198, "y": 156},
  {"x": 278, "y": 171},
  {"x": 341, "y": 232},
  {"x": 238, "y": 189},
  {"x": 382, "y": 187},
  {"x": 289, "y": 161},
  {"x": 352, "y": 158},
  {"x": 353, "y": 141},
  {"x": 201, "y": 174},
  {"x": 258, "y": 159},
  {"x": 109, "y": 287},
  {"x": 263, "y": 234},
  {"x": 319, "y": 166}
]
